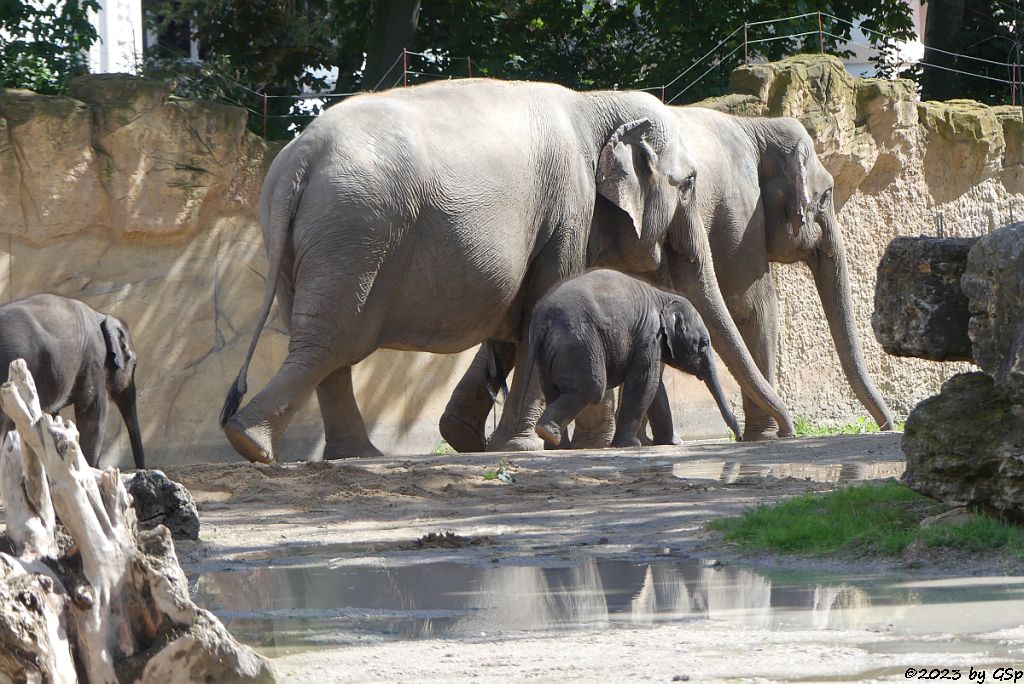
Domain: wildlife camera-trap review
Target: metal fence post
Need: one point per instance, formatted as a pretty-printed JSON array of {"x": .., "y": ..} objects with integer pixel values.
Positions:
[
  {"x": 746, "y": 54},
  {"x": 469, "y": 67},
  {"x": 405, "y": 67},
  {"x": 821, "y": 36},
  {"x": 264, "y": 116}
]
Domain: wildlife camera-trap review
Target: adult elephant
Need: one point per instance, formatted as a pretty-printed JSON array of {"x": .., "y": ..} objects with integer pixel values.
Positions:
[
  {"x": 764, "y": 196},
  {"x": 431, "y": 218}
]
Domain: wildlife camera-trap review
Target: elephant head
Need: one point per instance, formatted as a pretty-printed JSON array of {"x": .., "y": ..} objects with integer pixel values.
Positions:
[
  {"x": 650, "y": 187},
  {"x": 121, "y": 360},
  {"x": 801, "y": 225},
  {"x": 686, "y": 346}
]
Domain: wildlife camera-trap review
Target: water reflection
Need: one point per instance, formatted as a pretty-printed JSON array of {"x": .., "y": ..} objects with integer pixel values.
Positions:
[
  {"x": 728, "y": 472},
  {"x": 286, "y": 606}
]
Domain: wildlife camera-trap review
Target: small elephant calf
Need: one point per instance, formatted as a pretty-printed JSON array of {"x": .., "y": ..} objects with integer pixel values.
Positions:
[
  {"x": 77, "y": 356},
  {"x": 604, "y": 329}
]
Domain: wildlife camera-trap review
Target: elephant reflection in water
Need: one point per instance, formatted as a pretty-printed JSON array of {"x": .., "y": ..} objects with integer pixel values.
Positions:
[{"x": 451, "y": 599}]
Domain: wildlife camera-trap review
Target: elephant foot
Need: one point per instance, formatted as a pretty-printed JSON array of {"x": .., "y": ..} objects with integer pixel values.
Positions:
[
  {"x": 550, "y": 433},
  {"x": 337, "y": 450},
  {"x": 670, "y": 441},
  {"x": 626, "y": 443},
  {"x": 764, "y": 435},
  {"x": 253, "y": 443},
  {"x": 462, "y": 434},
  {"x": 517, "y": 443}
]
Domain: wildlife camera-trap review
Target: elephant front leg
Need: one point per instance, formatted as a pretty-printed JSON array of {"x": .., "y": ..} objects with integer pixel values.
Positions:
[
  {"x": 344, "y": 431},
  {"x": 659, "y": 414},
  {"x": 465, "y": 417},
  {"x": 91, "y": 423},
  {"x": 758, "y": 323}
]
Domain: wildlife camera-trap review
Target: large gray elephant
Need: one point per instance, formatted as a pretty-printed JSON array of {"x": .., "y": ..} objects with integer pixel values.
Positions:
[
  {"x": 604, "y": 329},
  {"x": 77, "y": 356},
  {"x": 431, "y": 218},
  {"x": 764, "y": 197}
]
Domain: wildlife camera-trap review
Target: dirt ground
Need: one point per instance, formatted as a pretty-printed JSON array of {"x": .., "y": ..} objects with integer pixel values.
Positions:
[{"x": 635, "y": 504}]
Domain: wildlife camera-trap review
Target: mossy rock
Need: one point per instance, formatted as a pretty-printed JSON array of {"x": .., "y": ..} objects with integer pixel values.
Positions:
[
  {"x": 960, "y": 120},
  {"x": 734, "y": 103}
]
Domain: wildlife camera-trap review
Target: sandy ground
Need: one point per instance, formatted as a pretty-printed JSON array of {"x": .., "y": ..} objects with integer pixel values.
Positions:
[{"x": 631, "y": 504}]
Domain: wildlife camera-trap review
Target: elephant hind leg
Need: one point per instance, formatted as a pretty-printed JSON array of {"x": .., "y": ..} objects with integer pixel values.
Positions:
[
  {"x": 254, "y": 430},
  {"x": 464, "y": 420},
  {"x": 344, "y": 431}
]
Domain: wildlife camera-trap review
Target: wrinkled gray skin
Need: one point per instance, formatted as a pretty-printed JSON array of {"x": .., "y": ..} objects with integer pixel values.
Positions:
[
  {"x": 77, "y": 357},
  {"x": 434, "y": 217},
  {"x": 765, "y": 197},
  {"x": 604, "y": 329}
]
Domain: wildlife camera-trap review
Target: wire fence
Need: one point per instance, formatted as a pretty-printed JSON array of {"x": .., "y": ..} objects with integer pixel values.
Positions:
[{"x": 410, "y": 68}]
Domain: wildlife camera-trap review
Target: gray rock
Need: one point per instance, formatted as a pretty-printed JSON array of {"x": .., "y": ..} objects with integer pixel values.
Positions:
[
  {"x": 965, "y": 447},
  {"x": 919, "y": 307},
  {"x": 161, "y": 501},
  {"x": 993, "y": 285}
]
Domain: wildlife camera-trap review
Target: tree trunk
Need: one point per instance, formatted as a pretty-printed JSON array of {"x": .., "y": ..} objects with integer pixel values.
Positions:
[
  {"x": 392, "y": 29},
  {"x": 942, "y": 31},
  {"x": 125, "y": 615}
]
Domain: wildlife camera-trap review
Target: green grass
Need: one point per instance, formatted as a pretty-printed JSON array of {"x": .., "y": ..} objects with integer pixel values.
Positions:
[
  {"x": 860, "y": 426},
  {"x": 442, "y": 448},
  {"x": 874, "y": 519}
]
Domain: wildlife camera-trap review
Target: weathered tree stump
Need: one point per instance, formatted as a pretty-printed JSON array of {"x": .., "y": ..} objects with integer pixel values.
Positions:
[
  {"x": 920, "y": 309},
  {"x": 113, "y": 604}
]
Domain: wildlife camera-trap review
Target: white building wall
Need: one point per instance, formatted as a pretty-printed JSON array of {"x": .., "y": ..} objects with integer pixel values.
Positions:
[{"x": 119, "y": 49}]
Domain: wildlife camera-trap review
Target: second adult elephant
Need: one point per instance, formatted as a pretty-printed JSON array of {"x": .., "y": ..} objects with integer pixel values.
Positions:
[
  {"x": 431, "y": 218},
  {"x": 765, "y": 197}
]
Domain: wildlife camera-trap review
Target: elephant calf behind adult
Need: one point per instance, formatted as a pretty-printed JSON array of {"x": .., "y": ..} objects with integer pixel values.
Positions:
[{"x": 77, "y": 357}]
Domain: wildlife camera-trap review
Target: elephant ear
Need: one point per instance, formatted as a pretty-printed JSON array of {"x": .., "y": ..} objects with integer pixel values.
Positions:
[
  {"x": 118, "y": 348},
  {"x": 666, "y": 330},
  {"x": 796, "y": 175},
  {"x": 617, "y": 177}
]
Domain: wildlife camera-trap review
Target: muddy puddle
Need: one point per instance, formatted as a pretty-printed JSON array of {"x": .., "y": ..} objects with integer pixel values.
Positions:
[
  {"x": 348, "y": 602},
  {"x": 729, "y": 472}
]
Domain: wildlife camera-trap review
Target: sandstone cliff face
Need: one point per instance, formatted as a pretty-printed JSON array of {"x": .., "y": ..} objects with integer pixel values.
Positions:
[
  {"x": 897, "y": 165},
  {"x": 146, "y": 206}
]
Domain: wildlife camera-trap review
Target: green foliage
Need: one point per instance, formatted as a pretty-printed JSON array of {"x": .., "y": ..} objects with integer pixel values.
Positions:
[
  {"x": 862, "y": 425},
  {"x": 271, "y": 47},
  {"x": 442, "y": 448},
  {"x": 44, "y": 44},
  {"x": 864, "y": 519}
]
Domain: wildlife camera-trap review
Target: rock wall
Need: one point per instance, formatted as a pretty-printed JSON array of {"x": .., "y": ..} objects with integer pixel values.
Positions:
[
  {"x": 145, "y": 205},
  {"x": 898, "y": 165}
]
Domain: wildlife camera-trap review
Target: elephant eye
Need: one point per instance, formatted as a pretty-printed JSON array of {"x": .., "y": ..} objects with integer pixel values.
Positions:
[{"x": 825, "y": 198}]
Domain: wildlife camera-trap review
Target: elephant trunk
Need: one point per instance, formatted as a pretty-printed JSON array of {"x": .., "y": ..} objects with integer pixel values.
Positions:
[
  {"x": 711, "y": 380},
  {"x": 828, "y": 266},
  {"x": 126, "y": 405},
  {"x": 696, "y": 279}
]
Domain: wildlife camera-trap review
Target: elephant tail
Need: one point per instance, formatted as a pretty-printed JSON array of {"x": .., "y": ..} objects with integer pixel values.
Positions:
[
  {"x": 284, "y": 201},
  {"x": 495, "y": 377}
]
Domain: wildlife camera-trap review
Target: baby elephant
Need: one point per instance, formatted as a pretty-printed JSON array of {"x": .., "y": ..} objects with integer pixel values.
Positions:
[
  {"x": 76, "y": 356},
  {"x": 605, "y": 329}
]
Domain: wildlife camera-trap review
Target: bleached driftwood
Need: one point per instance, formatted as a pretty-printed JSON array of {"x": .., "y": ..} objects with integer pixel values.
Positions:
[{"x": 114, "y": 607}]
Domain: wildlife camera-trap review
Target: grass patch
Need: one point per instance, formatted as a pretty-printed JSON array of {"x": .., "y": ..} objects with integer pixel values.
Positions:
[
  {"x": 874, "y": 519},
  {"x": 861, "y": 426}
]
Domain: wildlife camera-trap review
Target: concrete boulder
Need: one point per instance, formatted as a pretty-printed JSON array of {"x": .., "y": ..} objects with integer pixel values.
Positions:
[
  {"x": 920, "y": 309},
  {"x": 994, "y": 284},
  {"x": 159, "y": 500},
  {"x": 965, "y": 447}
]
